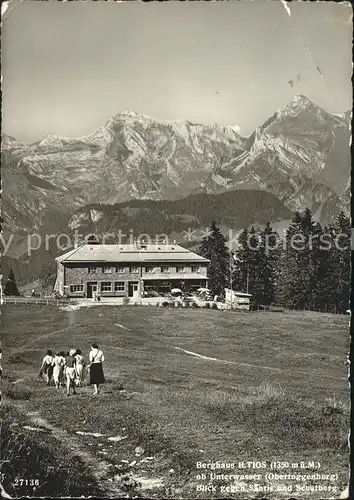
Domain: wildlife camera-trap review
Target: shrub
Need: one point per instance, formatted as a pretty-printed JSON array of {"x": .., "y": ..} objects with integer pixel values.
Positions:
[
  {"x": 126, "y": 300},
  {"x": 165, "y": 304},
  {"x": 213, "y": 306}
]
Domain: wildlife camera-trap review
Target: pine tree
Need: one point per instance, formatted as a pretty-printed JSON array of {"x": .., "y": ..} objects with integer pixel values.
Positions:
[
  {"x": 247, "y": 263},
  {"x": 341, "y": 255},
  {"x": 213, "y": 247},
  {"x": 255, "y": 286},
  {"x": 242, "y": 263},
  {"x": 256, "y": 264},
  {"x": 297, "y": 269},
  {"x": 10, "y": 286},
  {"x": 268, "y": 264},
  {"x": 323, "y": 280}
]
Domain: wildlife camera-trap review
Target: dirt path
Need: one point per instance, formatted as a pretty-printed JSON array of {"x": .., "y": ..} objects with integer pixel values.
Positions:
[
  {"x": 272, "y": 368},
  {"x": 101, "y": 470},
  {"x": 108, "y": 478}
]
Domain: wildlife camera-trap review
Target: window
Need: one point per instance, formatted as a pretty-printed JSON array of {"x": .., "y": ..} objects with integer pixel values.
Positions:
[
  {"x": 120, "y": 269},
  {"x": 149, "y": 269},
  {"x": 76, "y": 288},
  {"x": 119, "y": 286},
  {"x": 106, "y": 286},
  {"x": 195, "y": 269},
  {"x": 165, "y": 269},
  {"x": 180, "y": 269},
  {"x": 108, "y": 269},
  {"x": 92, "y": 269},
  {"x": 134, "y": 269}
]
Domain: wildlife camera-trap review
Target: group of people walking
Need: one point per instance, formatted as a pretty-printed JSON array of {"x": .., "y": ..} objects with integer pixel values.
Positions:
[{"x": 69, "y": 369}]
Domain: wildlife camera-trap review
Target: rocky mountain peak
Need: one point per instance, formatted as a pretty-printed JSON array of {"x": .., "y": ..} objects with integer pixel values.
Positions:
[
  {"x": 130, "y": 115},
  {"x": 303, "y": 100},
  {"x": 299, "y": 104}
]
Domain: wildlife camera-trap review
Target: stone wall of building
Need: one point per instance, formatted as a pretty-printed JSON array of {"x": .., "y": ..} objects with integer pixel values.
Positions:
[{"x": 79, "y": 274}]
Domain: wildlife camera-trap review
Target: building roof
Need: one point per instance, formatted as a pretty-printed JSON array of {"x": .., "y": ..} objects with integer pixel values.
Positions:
[{"x": 130, "y": 253}]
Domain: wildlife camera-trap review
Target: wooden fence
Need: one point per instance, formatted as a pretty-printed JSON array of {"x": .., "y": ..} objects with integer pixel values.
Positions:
[
  {"x": 35, "y": 300},
  {"x": 272, "y": 308}
]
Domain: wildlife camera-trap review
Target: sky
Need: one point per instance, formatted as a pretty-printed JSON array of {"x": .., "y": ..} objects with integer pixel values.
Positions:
[{"x": 68, "y": 67}]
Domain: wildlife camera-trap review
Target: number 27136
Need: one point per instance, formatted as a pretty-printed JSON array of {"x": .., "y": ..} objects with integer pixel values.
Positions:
[{"x": 26, "y": 482}]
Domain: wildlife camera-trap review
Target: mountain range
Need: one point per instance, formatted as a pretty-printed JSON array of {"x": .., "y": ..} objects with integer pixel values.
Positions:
[{"x": 300, "y": 156}]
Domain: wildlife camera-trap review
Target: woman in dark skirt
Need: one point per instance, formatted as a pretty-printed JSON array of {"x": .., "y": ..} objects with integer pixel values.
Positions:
[{"x": 96, "y": 370}]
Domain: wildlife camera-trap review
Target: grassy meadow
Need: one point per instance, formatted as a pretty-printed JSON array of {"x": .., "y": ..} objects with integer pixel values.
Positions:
[{"x": 277, "y": 390}]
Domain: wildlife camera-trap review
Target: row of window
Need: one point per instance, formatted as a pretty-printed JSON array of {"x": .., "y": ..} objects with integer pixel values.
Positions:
[
  {"x": 106, "y": 286},
  {"x": 118, "y": 269},
  {"x": 148, "y": 269}
]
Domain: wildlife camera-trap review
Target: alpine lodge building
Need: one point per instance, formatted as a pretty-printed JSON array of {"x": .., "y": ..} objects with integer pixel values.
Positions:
[{"x": 128, "y": 270}]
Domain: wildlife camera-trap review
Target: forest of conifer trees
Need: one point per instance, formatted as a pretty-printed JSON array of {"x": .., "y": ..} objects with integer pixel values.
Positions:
[{"x": 307, "y": 268}]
